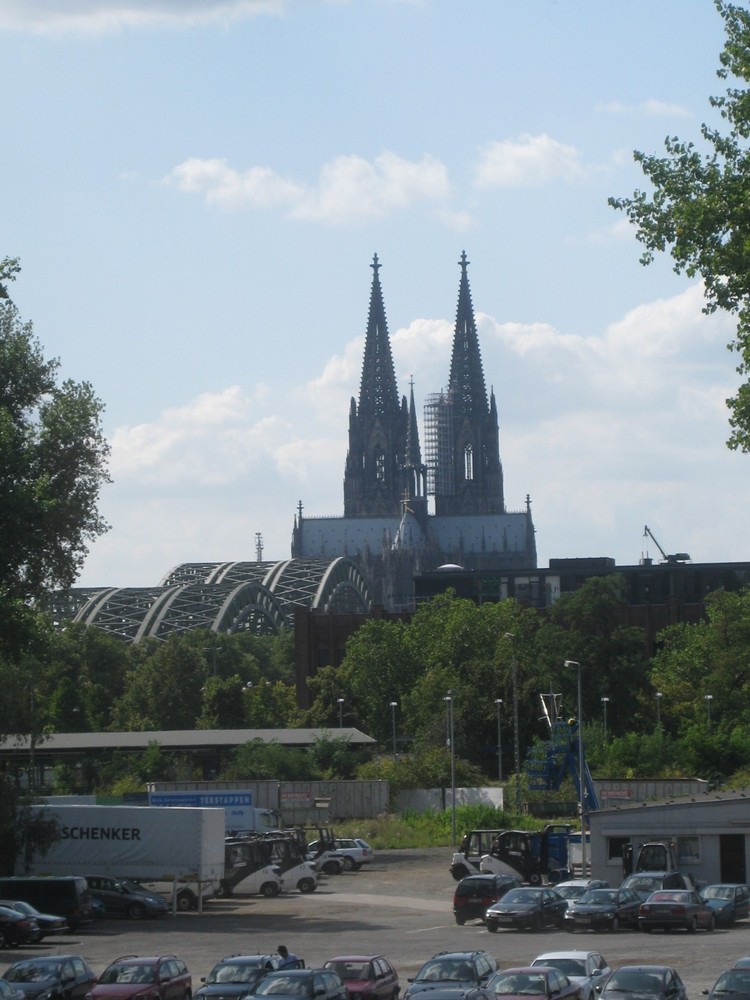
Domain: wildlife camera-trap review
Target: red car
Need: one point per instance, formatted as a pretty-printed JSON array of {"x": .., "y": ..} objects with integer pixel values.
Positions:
[
  {"x": 366, "y": 977},
  {"x": 162, "y": 977},
  {"x": 676, "y": 908},
  {"x": 537, "y": 981}
]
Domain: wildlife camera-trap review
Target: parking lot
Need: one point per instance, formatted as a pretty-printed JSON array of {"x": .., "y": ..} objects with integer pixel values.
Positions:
[{"x": 401, "y": 907}]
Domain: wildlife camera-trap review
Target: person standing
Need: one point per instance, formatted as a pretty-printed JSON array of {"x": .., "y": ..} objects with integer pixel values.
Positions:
[{"x": 288, "y": 960}]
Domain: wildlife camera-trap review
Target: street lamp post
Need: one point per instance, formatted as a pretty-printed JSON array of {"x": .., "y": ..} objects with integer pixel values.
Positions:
[
  {"x": 340, "y": 702},
  {"x": 448, "y": 699},
  {"x": 659, "y": 697},
  {"x": 708, "y": 698},
  {"x": 498, "y": 706},
  {"x": 581, "y": 780},
  {"x": 605, "y": 702},
  {"x": 394, "y": 706},
  {"x": 516, "y": 743}
]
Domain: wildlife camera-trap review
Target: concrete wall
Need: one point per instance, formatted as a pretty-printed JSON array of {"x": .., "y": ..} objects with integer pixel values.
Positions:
[
  {"x": 438, "y": 799},
  {"x": 614, "y": 793}
]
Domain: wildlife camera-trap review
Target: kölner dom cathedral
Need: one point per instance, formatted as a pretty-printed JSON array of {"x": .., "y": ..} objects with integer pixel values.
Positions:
[{"x": 389, "y": 482}]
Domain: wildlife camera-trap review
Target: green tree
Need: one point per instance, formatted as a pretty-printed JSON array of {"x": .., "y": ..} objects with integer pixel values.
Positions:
[
  {"x": 52, "y": 465},
  {"x": 698, "y": 209}
]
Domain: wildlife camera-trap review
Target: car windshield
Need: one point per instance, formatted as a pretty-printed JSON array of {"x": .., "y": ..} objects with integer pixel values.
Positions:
[
  {"x": 599, "y": 896},
  {"x": 235, "y": 972},
  {"x": 570, "y": 966},
  {"x": 733, "y": 981},
  {"x": 634, "y": 981},
  {"x": 642, "y": 883},
  {"x": 447, "y": 969},
  {"x": 571, "y": 891},
  {"x": 718, "y": 892},
  {"x": 352, "y": 970},
  {"x": 283, "y": 985},
  {"x": 522, "y": 895},
  {"x": 470, "y": 886},
  {"x": 32, "y": 972},
  {"x": 132, "y": 972},
  {"x": 516, "y": 983}
]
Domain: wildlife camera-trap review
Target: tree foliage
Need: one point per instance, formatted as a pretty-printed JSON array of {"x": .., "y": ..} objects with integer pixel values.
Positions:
[
  {"x": 53, "y": 458},
  {"x": 698, "y": 210}
]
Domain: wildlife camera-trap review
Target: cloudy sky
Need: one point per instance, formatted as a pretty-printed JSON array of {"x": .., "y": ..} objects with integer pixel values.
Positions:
[{"x": 196, "y": 189}]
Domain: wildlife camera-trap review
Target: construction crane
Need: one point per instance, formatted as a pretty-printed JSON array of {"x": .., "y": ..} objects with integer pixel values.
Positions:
[
  {"x": 550, "y": 762},
  {"x": 678, "y": 557}
]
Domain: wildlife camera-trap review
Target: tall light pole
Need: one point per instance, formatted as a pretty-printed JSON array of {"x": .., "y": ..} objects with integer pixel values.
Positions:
[
  {"x": 605, "y": 702},
  {"x": 394, "y": 706},
  {"x": 448, "y": 699},
  {"x": 340, "y": 702},
  {"x": 499, "y": 706},
  {"x": 581, "y": 779},
  {"x": 516, "y": 743},
  {"x": 708, "y": 698},
  {"x": 659, "y": 697}
]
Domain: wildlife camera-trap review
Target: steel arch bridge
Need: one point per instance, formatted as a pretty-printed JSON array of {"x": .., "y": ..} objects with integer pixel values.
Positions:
[{"x": 257, "y": 597}]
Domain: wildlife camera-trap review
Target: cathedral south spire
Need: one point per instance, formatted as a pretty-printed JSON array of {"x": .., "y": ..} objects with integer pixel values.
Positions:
[{"x": 378, "y": 424}]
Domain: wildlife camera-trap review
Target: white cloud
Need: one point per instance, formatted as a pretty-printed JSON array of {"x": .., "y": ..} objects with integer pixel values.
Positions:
[
  {"x": 349, "y": 187},
  {"x": 99, "y": 17},
  {"x": 529, "y": 159},
  {"x": 257, "y": 188}
]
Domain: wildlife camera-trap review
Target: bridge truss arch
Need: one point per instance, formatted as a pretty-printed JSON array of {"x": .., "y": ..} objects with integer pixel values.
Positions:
[{"x": 224, "y": 597}]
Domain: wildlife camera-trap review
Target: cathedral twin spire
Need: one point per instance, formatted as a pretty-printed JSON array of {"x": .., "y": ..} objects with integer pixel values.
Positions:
[{"x": 384, "y": 464}]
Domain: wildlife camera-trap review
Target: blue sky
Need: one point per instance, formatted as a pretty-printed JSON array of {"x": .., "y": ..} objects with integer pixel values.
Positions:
[{"x": 196, "y": 190}]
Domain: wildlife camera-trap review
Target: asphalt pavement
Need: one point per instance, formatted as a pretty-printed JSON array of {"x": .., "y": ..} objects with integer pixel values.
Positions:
[{"x": 400, "y": 907}]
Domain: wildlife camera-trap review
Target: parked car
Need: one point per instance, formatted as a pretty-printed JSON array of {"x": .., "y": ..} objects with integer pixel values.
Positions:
[
  {"x": 584, "y": 968},
  {"x": 48, "y": 923},
  {"x": 355, "y": 852},
  {"x": 730, "y": 901},
  {"x": 17, "y": 928},
  {"x": 603, "y": 909},
  {"x": 152, "y": 977},
  {"x": 542, "y": 981},
  {"x": 366, "y": 977},
  {"x": 574, "y": 888},
  {"x": 9, "y": 991},
  {"x": 67, "y": 895},
  {"x": 455, "y": 975},
  {"x": 655, "y": 982},
  {"x": 65, "y": 977},
  {"x": 236, "y": 976},
  {"x": 534, "y": 907},
  {"x": 676, "y": 908},
  {"x": 732, "y": 982},
  {"x": 476, "y": 893},
  {"x": 302, "y": 984},
  {"x": 123, "y": 897},
  {"x": 644, "y": 883}
]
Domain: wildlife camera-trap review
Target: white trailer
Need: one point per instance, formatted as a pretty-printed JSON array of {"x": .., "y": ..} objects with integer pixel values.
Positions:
[{"x": 146, "y": 843}]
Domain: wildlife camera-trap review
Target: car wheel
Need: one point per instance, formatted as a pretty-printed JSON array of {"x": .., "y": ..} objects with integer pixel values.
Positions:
[
  {"x": 538, "y": 923},
  {"x": 330, "y": 868},
  {"x": 3, "y": 939},
  {"x": 460, "y": 920},
  {"x": 136, "y": 911},
  {"x": 646, "y": 929},
  {"x": 223, "y": 890},
  {"x": 615, "y": 925},
  {"x": 570, "y": 928},
  {"x": 269, "y": 890},
  {"x": 691, "y": 927},
  {"x": 459, "y": 871},
  {"x": 492, "y": 928},
  {"x": 186, "y": 900},
  {"x": 535, "y": 878},
  {"x": 711, "y": 924},
  {"x": 357, "y": 865},
  {"x": 349, "y": 865},
  {"x": 307, "y": 885}
]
